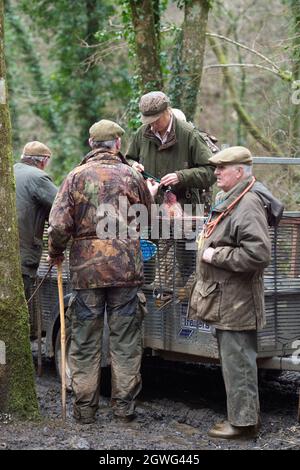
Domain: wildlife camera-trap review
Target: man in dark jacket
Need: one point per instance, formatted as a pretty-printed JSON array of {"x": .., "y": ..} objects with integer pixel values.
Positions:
[
  {"x": 106, "y": 269},
  {"x": 234, "y": 249},
  {"x": 171, "y": 149},
  {"x": 35, "y": 194}
]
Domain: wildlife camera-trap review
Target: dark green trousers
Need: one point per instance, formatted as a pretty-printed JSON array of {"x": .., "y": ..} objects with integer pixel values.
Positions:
[{"x": 238, "y": 352}]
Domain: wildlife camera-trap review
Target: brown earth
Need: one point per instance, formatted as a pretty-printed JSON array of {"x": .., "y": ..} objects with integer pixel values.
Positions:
[{"x": 178, "y": 405}]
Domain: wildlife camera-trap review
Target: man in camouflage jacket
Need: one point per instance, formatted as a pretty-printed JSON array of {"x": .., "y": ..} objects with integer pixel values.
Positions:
[{"x": 106, "y": 270}]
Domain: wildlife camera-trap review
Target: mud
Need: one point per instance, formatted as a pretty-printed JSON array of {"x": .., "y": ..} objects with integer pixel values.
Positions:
[{"x": 178, "y": 405}]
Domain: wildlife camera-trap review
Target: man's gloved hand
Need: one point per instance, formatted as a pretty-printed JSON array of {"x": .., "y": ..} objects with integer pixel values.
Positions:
[{"x": 55, "y": 261}]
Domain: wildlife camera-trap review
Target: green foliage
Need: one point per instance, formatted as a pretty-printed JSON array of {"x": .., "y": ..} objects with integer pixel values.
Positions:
[{"x": 79, "y": 88}]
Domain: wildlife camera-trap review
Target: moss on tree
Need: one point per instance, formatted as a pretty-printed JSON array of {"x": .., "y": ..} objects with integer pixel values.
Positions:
[{"x": 17, "y": 390}]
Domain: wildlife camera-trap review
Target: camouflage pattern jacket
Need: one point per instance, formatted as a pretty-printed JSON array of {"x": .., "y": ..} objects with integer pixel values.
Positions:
[{"x": 101, "y": 178}]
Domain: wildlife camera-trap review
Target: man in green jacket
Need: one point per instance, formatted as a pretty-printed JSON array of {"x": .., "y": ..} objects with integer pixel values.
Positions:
[
  {"x": 35, "y": 194},
  {"x": 171, "y": 150},
  {"x": 233, "y": 250}
]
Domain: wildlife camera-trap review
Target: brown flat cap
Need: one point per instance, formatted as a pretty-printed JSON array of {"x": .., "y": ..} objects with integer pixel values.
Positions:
[
  {"x": 36, "y": 149},
  {"x": 152, "y": 105},
  {"x": 105, "y": 130},
  {"x": 231, "y": 156}
]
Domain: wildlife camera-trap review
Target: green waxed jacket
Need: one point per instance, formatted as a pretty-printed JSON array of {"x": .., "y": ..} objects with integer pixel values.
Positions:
[
  {"x": 35, "y": 194},
  {"x": 229, "y": 291},
  {"x": 185, "y": 153}
]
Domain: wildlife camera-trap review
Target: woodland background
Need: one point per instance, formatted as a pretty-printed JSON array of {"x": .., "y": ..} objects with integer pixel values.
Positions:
[
  {"x": 70, "y": 63},
  {"x": 233, "y": 67}
]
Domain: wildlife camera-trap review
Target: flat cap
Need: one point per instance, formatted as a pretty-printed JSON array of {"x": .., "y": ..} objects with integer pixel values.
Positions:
[
  {"x": 36, "y": 149},
  {"x": 152, "y": 105},
  {"x": 105, "y": 130},
  {"x": 231, "y": 156}
]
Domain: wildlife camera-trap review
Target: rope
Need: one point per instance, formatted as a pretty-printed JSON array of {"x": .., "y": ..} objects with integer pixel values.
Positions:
[{"x": 35, "y": 291}]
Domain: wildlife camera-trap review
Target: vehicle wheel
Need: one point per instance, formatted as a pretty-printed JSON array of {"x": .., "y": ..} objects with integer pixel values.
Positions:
[
  {"x": 269, "y": 375},
  {"x": 57, "y": 354}
]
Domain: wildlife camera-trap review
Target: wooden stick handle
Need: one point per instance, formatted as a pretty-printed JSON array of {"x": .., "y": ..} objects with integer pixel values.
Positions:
[{"x": 62, "y": 339}]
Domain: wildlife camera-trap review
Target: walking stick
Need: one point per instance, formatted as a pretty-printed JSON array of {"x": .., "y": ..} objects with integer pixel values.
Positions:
[
  {"x": 62, "y": 339},
  {"x": 38, "y": 309}
]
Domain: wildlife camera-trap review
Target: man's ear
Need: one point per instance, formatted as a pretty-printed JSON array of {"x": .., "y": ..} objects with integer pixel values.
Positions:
[
  {"x": 44, "y": 162},
  {"x": 90, "y": 142},
  {"x": 118, "y": 143}
]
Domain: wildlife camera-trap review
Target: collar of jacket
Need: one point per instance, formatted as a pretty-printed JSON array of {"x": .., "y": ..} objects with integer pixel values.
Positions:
[
  {"x": 227, "y": 198},
  {"x": 273, "y": 206},
  {"x": 171, "y": 140},
  {"x": 29, "y": 162},
  {"x": 104, "y": 154}
]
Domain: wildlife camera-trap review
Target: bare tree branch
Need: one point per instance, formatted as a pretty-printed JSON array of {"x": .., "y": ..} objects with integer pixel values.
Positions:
[
  {"x": 212, "y": 66},
  {"x": 243, "y": 46}
]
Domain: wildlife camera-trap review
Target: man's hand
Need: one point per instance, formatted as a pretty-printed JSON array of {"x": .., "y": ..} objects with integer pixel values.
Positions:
[
  {"x": 152, "y": 186},
  {"x": 138, "y": 167},
  {"x": 169, "y": 180},
  {"x": 55, "y": 261},
  {"x": 208, "y": 254}
]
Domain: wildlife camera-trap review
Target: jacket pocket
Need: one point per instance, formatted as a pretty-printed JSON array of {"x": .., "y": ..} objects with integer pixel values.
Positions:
[{"x": 205, "y": 301}]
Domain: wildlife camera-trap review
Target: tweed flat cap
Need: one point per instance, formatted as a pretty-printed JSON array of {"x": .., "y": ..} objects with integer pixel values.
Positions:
[
  {"x": 36, "y": 149},
  {"x": 152, "y": 105},
  {"x": 105, "y": 130},
  {"x": 231, "y": 156}
]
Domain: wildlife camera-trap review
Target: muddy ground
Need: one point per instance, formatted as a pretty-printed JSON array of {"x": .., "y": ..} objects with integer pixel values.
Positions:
[{"x": 175, "y": 410}]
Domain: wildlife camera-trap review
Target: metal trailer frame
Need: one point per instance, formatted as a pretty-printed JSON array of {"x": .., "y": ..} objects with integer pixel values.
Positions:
[{"x": 169, "y": 334}]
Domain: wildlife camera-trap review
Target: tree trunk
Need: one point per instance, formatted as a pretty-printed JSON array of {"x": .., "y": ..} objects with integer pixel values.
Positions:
[
  {"x": 24, "y": 42},
  {"x": 194, "y": 29},
  {"x": 87, "y": 112},
  {"x": 295, "y": 122},
  {"x": 17, "y": 392},
  {"x": 146, "y": 44}
]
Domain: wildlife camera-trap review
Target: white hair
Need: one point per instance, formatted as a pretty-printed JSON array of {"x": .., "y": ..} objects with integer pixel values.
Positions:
[
  {"x": 247, "y": 169},
  {"x": 178, "y": 114},
  {"x": 108, "y": 144},
  {"x": 35, "y": 158}
]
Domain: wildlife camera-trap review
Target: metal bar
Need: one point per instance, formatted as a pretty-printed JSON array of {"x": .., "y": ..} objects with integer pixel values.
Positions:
[
  {"x": 276, "y": 160},
  {"x": 279, "y": 363}
]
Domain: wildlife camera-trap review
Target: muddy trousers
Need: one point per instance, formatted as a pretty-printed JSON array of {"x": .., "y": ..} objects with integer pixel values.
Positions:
[
  {"x": 124, "y": 321},
  {"x": 238, "y": 352}
]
